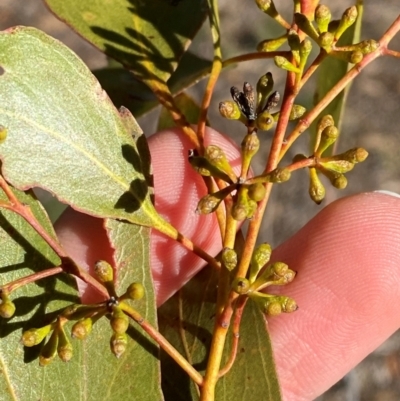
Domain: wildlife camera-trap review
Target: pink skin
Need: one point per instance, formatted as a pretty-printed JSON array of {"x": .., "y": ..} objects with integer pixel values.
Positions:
[{"x": 347, "y": 259}]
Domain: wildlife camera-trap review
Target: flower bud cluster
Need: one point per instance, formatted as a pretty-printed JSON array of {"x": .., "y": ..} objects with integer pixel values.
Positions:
[
  {"x": 58, "y": 343},
  {"x": 263, "y": 274},
  {"x": 322, "y": 30},
  {"x": 333, "y": 167}
]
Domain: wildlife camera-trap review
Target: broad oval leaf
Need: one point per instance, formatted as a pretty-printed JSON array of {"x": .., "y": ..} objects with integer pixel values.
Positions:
[
  {"x": 187, "y": 321},
  {"x": 148, "y": 37},
  {"x": 65, "y": 135}
]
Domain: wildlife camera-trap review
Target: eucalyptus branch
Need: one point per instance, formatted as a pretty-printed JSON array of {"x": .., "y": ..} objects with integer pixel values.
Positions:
[
  {"x": 235, "y": 336},
  {"x": 254, "y": 56},
  {"x": 215, "y": 69},
  {"x": 14, "y": 285},
  {"x": 163, "y": 343}
]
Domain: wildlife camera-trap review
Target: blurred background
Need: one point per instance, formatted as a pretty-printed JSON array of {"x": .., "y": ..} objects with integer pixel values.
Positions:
[{"x": 372, "y": 120}]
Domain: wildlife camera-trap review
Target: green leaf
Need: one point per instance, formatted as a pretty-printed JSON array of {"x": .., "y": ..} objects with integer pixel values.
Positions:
[
  {"x": 125, "y": 90},
  {"x": 148, "y": 37},
  {"x": 132, "y": 250},
  {"x": 330, "y": 73},
  {"x": 186, "y": 105},
  {"x": 252, "y": 377},
  {"x": 65, "y": 135}
]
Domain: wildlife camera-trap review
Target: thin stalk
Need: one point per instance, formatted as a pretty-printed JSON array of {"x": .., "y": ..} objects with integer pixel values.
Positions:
[
  {"x": 215, "y": 69},
  {"x": 235, "y": 336},
  {"x": 165, "y": 97},
  {"x": 14, "y": 285},
  {"x": 169, "y": 230},
  {"x": 68, "y": 264},
  {"x": 163, "y": 343},
  {"x": 254, "y": 56}
]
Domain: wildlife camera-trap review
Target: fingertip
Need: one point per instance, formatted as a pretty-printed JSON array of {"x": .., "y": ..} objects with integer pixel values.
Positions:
[
  {"x": 84, "y": 238},
  {"x": 178, "y": 189},
  {"x": 347, "y": 284}
]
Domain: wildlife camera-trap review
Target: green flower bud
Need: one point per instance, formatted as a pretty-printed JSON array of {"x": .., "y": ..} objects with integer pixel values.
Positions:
[
  {"x": 316, "y": 189},
  {"x": 135, "y": 291},
  {"x": 306, "y": 26},
  {"x": 64, "y": 348},
  {"x": 269, "y": 305},
  {"x": 273, "y": 308},
  {"x": 338, "y": 180},
  {"x": 240, "y": 211},
  {"x": 326, "y": 40},
  {"x": 297, "y": 112},
  {"x": 251, "y": 209},
  {"x": 279, "y": 175},
  {"x": 279, "y": 269},
  {"x": 82, "y": 328},
  {"x": 240, "y": 285},
  {"x": 270, "y": 45},
  {"x": 356, "y": 155},
  {"x": 329, "y": 135},
  {"x": 265, "y": 121},
  {"x": 250, "y": 146},
  {"x": 229, "y": 258},
  {"x": 367, "y": 46},
  {"x": 264, "y": 87},
  {"x": 205, "y": 168},
  {"x": 118, "y": 344},
  {"x": 288, "y": 304},
  {"x": 294, "y": 40},
  {"x": 230, "y": 110},
  {"x": 305, "y": 50},
  {"x": 356, "y": 57},
  {"x": 259, "y": 259},
  {"x": 268, "y": 7},
  {"x": 353, "y": 57},
  {"x": 104, "y": 271},
  {"x": 217, "y": 158},
  {"x": 277, "y": 273},
  {"x": 257, "y": 192},
  {"x": 209, "y": 203},
  {"x": 7, "y": 308},
  {"x": 119, "y": 321},
  {"x": 34, "y": 337},
  {"x": 323, "y": 122},
  {"x": 322, "y": 17},
  {"x": 3, "y": 133},
  {"x": 338, "y": 166},
  {"x": 349, "y": 17},
  {"x": 285, "y": 64},
  {"x": 49, "y": 350}
]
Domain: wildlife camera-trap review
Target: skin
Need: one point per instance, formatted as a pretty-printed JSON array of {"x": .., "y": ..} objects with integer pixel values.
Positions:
[{"x": 347, "y": 259}]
